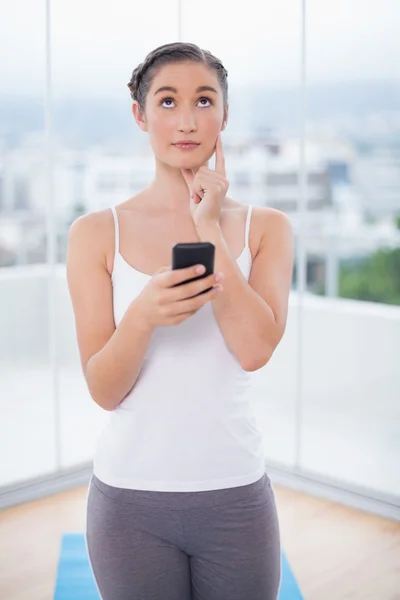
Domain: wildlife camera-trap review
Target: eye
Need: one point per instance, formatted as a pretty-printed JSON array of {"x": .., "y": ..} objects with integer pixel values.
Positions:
[
  {"x": 170, "y": 99},
  {"x": 166, "y": 99},
  {"x": 206, "y": 99}
]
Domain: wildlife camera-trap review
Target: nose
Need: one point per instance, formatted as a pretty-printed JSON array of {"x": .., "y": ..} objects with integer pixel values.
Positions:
[{"x": 187, "y": 121}]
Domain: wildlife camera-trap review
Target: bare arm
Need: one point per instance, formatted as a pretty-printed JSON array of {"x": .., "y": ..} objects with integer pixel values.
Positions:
[
  {"x": 252, "y": 316},
  {"x": 111, "y": 357}
]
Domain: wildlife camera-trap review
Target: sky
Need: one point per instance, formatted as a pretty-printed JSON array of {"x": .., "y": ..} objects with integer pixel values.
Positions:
[{"x": 97, "y": 44}]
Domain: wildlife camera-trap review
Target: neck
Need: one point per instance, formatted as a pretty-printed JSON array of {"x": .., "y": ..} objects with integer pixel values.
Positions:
[{"x": 169, "y": 190}]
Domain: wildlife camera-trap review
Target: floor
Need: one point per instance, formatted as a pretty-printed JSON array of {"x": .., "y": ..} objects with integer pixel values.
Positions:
[{"x": 336, "y": 553}]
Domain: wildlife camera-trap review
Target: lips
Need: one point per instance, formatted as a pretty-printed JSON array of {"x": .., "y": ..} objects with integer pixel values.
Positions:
[{"x": 186, "y": 144}]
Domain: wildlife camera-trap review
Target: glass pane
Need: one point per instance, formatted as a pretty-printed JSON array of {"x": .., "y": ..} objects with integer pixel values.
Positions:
[
  {"x": 101, "y": 159},
  {"x": 27, "y": 444},
  {"x": 261, "y": 145},
  {"x": 351, "y": 341}
]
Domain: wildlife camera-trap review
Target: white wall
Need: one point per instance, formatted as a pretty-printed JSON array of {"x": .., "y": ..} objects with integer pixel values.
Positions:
[{"x": 332, "y": 386}]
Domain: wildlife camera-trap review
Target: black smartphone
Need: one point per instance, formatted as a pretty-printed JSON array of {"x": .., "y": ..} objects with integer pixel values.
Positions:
[{"x": 193, "y": 253}]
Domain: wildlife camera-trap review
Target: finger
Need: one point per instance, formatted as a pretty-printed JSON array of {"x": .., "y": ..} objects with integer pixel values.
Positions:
[
  {"x": 219, "y": 157},
  {"x": 177, "y": 276},
  {"x": 194, "y": 287},
  {"x": 162, "y": 270},
  {"x": 188, "y": 176},
  {"x": 209, "y": 178},
  {"x": 200, "y": 189},
  {"x": 197, "y": 301}
]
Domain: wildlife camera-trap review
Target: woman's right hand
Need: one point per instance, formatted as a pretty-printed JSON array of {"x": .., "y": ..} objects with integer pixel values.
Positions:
[{"x": 162, "y": 304}]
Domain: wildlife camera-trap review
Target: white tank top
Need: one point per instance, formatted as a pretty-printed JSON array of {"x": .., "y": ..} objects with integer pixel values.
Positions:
[{"x": 187, "y": 423}]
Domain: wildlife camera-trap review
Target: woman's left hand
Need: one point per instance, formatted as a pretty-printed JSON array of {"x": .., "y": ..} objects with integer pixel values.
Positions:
[{"x": 207, "y": 189}]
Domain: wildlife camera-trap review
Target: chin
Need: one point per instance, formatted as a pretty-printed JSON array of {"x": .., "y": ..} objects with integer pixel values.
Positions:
[
  {"x": 193, "y": 159},
  {"x": 186, "y": 162}
]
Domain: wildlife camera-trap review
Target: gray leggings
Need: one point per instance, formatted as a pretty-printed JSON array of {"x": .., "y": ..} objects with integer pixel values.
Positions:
[{"x": 211, "y": 545}]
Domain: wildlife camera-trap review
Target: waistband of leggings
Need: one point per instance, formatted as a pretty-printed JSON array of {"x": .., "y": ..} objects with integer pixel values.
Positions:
[{"x": 182, "y": 500}]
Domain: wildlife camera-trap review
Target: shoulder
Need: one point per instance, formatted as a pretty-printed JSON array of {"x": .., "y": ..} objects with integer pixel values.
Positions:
[
  {"x": 266, "y": 216},
  {"x": 267, "y": 225},
  {"x": 93, "y": 234},
  {"x": 276, "y": 230},
  {"x": 91, "y": 223},
  {"x": 273, "y": 219}
]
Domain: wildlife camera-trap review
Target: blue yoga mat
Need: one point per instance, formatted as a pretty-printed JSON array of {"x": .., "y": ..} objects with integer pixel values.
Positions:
[{"x": 75, "y": 579}]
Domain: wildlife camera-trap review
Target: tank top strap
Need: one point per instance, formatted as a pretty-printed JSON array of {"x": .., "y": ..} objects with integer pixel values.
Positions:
[
  {"x": 248, "y": 225},
  {"x": 116, "y": 228}
]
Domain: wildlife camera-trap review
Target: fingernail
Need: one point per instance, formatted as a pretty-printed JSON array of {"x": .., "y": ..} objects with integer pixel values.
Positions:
[
  {"x": 219, "y": 276},
  {"x": 200, "y": 269}
]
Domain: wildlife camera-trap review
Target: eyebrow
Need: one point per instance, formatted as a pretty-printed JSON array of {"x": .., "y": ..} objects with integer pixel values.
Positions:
[{"x": 202, "y": 88}]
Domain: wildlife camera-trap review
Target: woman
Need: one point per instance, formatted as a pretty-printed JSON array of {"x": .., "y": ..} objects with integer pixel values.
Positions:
[{"x": 179, "y": 504}]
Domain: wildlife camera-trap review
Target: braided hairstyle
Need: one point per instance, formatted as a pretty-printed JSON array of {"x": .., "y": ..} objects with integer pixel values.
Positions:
[{"x": 143, "y": 75}]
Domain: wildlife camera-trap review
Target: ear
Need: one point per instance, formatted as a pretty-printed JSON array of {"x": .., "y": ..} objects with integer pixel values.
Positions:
[
  {"x": 139, "y": 116},
  {"x": 225, "y": 121}
]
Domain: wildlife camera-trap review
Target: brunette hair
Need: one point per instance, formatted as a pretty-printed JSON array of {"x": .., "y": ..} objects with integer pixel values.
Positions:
[{"x": 143, "y": 74}]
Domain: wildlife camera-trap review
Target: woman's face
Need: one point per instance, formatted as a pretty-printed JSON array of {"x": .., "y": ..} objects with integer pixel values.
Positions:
[{"x": 184, "y": 113}]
